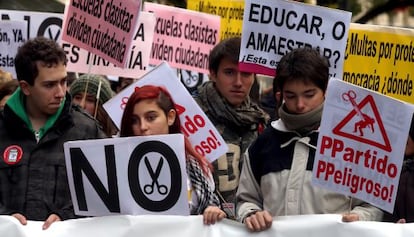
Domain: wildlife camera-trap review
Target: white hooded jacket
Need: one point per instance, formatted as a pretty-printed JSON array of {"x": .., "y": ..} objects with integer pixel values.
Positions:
[{"x": 276, "y": 177}]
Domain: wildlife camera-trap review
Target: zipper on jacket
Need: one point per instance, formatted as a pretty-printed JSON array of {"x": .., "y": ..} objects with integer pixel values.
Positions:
[{"x": 37, "y": 135}]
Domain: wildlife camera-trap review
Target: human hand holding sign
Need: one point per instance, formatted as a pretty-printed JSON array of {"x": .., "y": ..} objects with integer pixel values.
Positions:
[
  {"x": 350, "y": 217},
  {"x": 212, "y": 214},
  {"x": 258, "y": 221},
  {"x": 49, "y": 221}
]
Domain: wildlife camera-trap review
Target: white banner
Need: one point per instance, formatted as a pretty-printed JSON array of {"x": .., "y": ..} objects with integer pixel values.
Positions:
[{"x": 190, "y": 226}]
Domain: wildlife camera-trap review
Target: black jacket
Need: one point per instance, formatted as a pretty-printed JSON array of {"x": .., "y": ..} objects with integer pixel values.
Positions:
[{"x": 36, "y": 186}]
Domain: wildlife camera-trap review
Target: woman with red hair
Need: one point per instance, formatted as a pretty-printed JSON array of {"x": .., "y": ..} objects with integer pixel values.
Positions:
[{"x": 150, "y": 110}]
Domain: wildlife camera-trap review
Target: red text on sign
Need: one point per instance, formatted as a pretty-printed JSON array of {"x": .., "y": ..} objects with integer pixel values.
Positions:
[
  {"x": 336, "y": 148},
  {"x": 356, "y": 183},
  {"x": 191, "y": 125}
]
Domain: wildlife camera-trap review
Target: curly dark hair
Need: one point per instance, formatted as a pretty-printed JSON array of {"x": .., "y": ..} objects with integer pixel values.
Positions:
[{"x": 37, "y": 50}]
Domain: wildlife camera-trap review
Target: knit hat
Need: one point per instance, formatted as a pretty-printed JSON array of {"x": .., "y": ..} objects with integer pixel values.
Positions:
[{"x": 92, "y": 81}]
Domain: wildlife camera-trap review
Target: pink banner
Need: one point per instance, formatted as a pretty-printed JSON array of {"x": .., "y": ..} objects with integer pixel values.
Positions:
[
  {"x": 104, "y": 27},
  {"x": 182, "y": 37},
  {"x": 251, "y": 67},
  {"x": 137, "y": 62}
]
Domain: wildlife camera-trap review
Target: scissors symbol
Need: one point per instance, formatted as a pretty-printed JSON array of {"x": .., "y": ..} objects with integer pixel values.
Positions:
[
  {"x": 149, "y": 188},
  {"x": 366, "y": 121},
  {"x": 350, "y": 96}
]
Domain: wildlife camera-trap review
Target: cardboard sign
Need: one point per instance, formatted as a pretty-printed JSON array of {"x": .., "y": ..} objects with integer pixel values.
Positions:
[
  {"x": 381, "y": 58},
  {"x": 137, "y": 60},
  {"x": 195, "y": 124},
  {"x": 272, "y": 28},
  {"x": 361, "y": 143},
  {"x": 230, "y": 11},
  {"x": 183, "y": 38},
  {"x": 12, "y": 35},
  {"x": 105, "y": 27},
  {"x": 133, "y": 175},
  {"x": 79, "y": 60}
]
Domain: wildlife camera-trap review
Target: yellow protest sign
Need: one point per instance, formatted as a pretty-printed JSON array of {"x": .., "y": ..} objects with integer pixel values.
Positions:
[
  {"x": 230, "y": 11},
  {"x": 381, "y": 58}
]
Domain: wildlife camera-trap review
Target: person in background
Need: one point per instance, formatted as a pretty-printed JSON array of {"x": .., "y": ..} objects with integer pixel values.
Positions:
[
  {"x": 72, "y": 76},
  {"x": 225, "y": 100},
  {"x": 150, "y": 110},
  {"x": 277, "y": 172},
  {"x": 270, "y": 101},
  {"x": 6, "y": 90},
  {"x": 404, "y": 207},
  {"x": 36, "y": 121},
  {"x": 122, "y": 83},
  {"x": 5, "y": 76},
  {"x": 90, "y": 92}
]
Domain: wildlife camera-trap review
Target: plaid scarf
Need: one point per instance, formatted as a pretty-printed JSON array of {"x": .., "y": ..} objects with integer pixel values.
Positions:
[
  {"x": 245, "y": 115},
  {"x": 202, "y": 187}
]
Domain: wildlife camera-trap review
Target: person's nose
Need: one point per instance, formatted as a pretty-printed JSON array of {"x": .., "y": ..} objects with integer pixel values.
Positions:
[
  {"x": 82, "y": 102},
  {"x": 143, "y": 126},
  {"x": 61, "y": 91},
  {"x": 300, "y": 104},
  {"x": 238, "y": 80}
]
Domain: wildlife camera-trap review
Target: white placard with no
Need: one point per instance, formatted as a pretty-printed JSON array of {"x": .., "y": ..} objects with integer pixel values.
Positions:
[{"x": 130, "y": 175}]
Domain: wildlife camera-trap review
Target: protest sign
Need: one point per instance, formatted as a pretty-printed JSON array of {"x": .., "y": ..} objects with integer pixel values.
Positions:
[
  {"x": 137, "y": 60},
  {"x": 44, "y": 24},
  {"x": 79, "y": 60},
  {"x": 230, "y": 11},
  {"x": 183, "y": 38},
  {"x": 105, "y": 27},
  {"x": 133, "y": 175},
  {"x": 204, "y": 137},
  {"x": 361, "y": 143},
  {"x": 12, "y": 35},
  {"x": 380, "y": 58},
  {"x": 272, "y": 28}
]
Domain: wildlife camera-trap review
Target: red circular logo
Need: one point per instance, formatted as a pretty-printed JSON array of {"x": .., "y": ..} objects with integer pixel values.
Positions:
[{"x": 13, "y": 154}]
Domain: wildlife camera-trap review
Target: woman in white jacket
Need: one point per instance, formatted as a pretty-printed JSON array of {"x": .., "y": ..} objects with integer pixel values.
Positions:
[{"x": 276, "y": 176}]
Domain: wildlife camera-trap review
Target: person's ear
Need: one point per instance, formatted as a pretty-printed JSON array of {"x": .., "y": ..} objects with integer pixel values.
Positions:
[
  {"x": 213, "y": 75},
  {"x": 171, "y": 117},
  {"x": 24, "y": 86},
  {"x": 278, "y": 97}
]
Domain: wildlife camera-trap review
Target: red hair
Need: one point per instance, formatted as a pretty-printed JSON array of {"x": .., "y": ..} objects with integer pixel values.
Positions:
[{"x": 166, "y": 103}]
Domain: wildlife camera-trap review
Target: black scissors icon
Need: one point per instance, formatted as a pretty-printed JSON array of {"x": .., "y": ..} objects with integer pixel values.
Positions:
[{"x": 149, "y": 188}]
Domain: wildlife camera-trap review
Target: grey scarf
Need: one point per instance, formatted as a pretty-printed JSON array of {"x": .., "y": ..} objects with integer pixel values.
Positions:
[
  {"x": 301, "y": 123},
  {"x": 245, "y": 115}
]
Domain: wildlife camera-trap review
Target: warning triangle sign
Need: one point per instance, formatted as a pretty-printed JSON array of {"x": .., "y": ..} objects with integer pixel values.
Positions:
[{"x": 363, "y": 123}]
